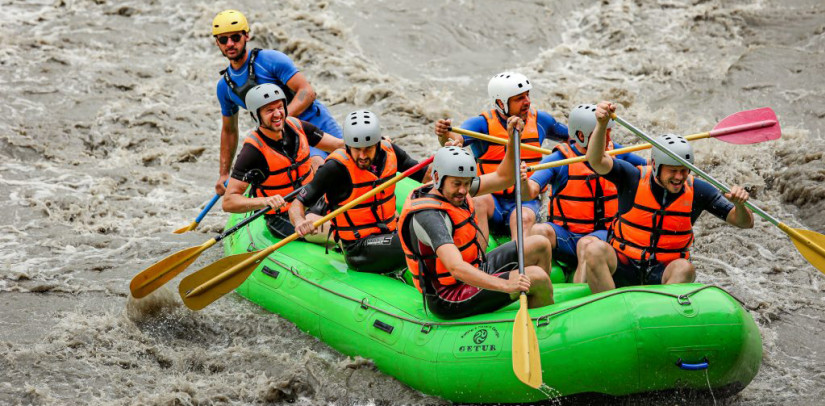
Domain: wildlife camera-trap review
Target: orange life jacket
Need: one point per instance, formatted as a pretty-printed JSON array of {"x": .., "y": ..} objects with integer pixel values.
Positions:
[
  {"x": 491, "y": 159},
  {"x": 649, "y": 231},
  {"x": 285, "y": 173},
  {"x": 421, "y": 259},
  {"x": 376, "y": 215},
  {"x": 588, "y": 202}
]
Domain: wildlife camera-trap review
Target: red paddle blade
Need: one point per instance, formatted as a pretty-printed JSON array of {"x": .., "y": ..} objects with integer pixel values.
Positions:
[{"x": 748, "y": 127}]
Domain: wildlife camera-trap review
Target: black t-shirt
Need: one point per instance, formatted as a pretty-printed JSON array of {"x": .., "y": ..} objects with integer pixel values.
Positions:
[
  {"x": 705, "y": 197},
  {"x": 251, "y": 166},
  {"x": 334, "y": 181}
]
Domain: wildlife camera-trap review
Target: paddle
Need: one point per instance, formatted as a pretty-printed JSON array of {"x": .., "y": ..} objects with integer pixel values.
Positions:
[
  {"x": 496, "y": 140},
  {"x": 219, "y": 278},
  {"x": 200, "y": 217},
  {"x": 809, "y": 243},
  {"x": 526, "y": 355},
  {"x": 164, "y": 270},
  {"x": 744, "y": 127}
]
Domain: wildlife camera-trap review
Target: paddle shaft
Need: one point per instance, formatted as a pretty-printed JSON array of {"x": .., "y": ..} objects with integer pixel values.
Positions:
[
  {"x": 719, "y": 185},
  {"x": 496, "y": 140},
  {"x": 207, "y": 208},
  {"x": 519, "y": 225},
  {"x": 259, "y": 213},
  {"x": 714, "y": 133},
  {"x": 218, "y": 279}
]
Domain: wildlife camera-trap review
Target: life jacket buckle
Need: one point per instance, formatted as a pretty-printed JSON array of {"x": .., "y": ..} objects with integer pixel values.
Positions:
[
  {"x": 426, "y": 328},
  {"x": 683, "y": 300}
]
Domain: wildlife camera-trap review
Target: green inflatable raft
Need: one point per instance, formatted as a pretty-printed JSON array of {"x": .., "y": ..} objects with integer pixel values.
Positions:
[{"x": 628, "y": 341}]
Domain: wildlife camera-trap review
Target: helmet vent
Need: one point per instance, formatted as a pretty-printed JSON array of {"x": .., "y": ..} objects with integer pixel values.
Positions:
[
  {"x": 687, "y": 156},
  {"x": 461, "y": 168},
  {"x": 472, "y": 168},
  {"x": 266, "y": 95},
  {"x": 368, "y": 138},
  {"x": 355, "y": 139},
  {"x": 520, "y": 85}
]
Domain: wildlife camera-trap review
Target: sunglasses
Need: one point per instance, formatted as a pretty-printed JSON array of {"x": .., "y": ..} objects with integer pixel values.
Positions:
[{"x": 233, "y": 37}]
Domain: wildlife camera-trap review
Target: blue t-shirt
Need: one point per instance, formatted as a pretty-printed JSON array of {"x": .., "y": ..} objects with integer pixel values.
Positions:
[
  {"x": 546, "y": 124},
  {"x": 705, "y": 197},
  {"x": 557, "y": 177},
  {"x": 270, "y": 67}
]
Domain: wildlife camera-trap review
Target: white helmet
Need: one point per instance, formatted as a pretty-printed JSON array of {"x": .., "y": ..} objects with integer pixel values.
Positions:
[
  {"x": 506, "y": 85},
  {"x": 452, "y": 161},
  {"x": 676, "y": 144},
  {"x": 361, "y": 129},
  {"x": 262, "y": 95},
  {"x": 583, "y": 118}
]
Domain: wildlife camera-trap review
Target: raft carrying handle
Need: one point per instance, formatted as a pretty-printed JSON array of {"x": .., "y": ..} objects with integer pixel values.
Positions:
[
  {"x": 693, "y": 367},
  {"x": 383, "y": 326}
]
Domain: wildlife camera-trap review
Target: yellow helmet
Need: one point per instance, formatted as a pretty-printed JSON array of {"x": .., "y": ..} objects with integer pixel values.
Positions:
[{"x": 229, "y": 21}]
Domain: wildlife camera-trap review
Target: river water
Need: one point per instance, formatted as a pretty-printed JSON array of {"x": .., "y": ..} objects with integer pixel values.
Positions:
[{"x": 109, "y": 140}]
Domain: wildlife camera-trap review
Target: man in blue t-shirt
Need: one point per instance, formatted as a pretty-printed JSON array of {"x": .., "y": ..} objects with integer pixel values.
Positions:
[
  {"x": 231, "y": 32},
  {"x": 649, "y": 241},
  {"x": 510, "y": 96},
  {"x": 582, "y": 204}
]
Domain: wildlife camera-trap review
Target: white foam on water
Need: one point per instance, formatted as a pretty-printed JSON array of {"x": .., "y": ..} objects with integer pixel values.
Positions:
[{"x": 109, "y": 142}]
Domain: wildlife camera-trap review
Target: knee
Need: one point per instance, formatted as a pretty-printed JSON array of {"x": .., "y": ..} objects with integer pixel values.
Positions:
[
  {"x": 544, "y": 230},
  {"x": 538, "y": 244},
  {"x": 688, "y": 271},
  {"x": 595, "y": 251},
  {"x": 584, "y": 242},
  {"x": 538, "y": 278},
  {"x": 484, "y": 204},
  {"x": 528, "y": 217}
]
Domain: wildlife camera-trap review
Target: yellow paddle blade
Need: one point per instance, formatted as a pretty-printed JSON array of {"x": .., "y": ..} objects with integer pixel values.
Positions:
[
  {"x": 811, "y": 245},
  {"x": 164, "y": 270},
  {"x": 190, "y": 227},
  {"x": 197, "y": 302},
  {"x": 526, "y": 355}
]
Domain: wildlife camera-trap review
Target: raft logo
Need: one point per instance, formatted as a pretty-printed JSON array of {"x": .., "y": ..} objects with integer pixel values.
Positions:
[
  {"x": 480, "y": 336},
  {"x": 478, "y": 341}
]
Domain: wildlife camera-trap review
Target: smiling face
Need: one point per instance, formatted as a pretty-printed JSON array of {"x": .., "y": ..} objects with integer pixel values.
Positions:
[
  {"x": 272, "y": 116},
  {"x": 232, "y": 44},
  {"x": 672, "y": 178}
]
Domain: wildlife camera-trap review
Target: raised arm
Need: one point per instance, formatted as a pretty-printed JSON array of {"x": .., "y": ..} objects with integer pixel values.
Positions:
[
  {"x": 740, "y": 216},
  {"x": 598, "y": 159},
  {"x": 504, "y": 176},
  {"x": 444, "y": 134}
]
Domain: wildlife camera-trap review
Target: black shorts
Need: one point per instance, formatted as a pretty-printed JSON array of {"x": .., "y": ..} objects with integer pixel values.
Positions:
[
  {"x": 463, "y": 300},
  {"x": 380, "y": 253},
  {"x": 630, "y": 272}
]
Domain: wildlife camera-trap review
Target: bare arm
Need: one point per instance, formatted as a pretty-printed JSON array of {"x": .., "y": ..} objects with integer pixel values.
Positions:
[
  {"x": 304, "y": 94},
  {"x": 505, "y": 175},
  {"x": 598, "y": 159},
  {"x": 450, "y": 256},
  {"x": 229, "y": 144},
  {"x": 329, "y": 143},
  {"x": 740, "y": 216},
  {"x": 530, "y": 190},
  {"x": 234, "y": 200},
  {"x": 444, "y": 134}
]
